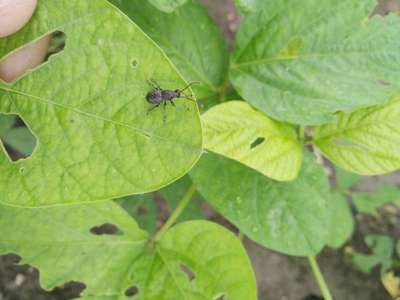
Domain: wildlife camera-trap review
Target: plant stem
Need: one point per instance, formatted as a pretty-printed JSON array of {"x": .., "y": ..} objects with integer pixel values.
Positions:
[
  {"x": 177, "y": 212},
  {"x": 320, "y": 278}
]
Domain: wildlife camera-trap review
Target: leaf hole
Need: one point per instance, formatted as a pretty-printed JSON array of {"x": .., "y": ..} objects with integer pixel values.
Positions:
[
  {"x": 23, "y": 279},
  {"x": 258, "y": 141},
  {"x": 16, "y": 65},
  {"x": 16, "y": 137},
  {"x": 132, "y": 291},
  {"x": 68, "y": 290},
  {"x": 188, "y": 272},
  {"x": 106, "y": 228},
  {"x": 57, "y": 43}
]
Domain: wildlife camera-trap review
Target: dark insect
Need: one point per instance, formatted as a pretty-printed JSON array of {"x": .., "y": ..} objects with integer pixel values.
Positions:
[{"x": 158, "y": 96}]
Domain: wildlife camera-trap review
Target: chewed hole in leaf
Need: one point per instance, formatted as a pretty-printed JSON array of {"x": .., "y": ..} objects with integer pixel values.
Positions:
[
  {"x": 16, "y": 64},
  {"x": 57, "y": 43},
  {"x": 132, "y": 291},
  {"x": 68, "y": 290},
  {"x": 258, "y": 141},
  {"x": 141, "y": 211},
  {"x": 17, "y": 139},
  {"x": 349, "y": 143},
  {"x": 25, "y": 278},
  {"x": 106, "y": 228},
  {"x": 188, "y": 272}
]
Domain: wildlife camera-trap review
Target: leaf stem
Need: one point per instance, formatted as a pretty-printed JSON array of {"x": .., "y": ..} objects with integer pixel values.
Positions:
[
  {"x": 177, "y": 212},
  {"x": 319, "y": 278}
]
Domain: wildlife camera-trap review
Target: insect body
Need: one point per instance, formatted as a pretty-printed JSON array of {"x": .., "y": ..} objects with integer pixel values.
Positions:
[{"x": 160, "y": 96}]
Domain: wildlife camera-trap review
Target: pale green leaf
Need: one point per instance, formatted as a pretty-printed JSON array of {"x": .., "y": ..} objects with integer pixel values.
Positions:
[
  {"x": 366, "y": 141},
  {"x": 290, "y": 217},
  {"x": 234, "y": 129},
  {"x": 60, "y": 244},
  {"x": 302, "y": 61},
  {"x": 369, "y": 202},
  {"x": 87, "y": 107},
  {"x": 167, "y": 6},
  {"x": 341, "y": 221},
  {"x": 191, "y": 40}
]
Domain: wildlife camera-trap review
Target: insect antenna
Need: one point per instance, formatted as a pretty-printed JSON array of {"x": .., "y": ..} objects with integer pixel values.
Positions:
[{"x": 190, "y": 84}]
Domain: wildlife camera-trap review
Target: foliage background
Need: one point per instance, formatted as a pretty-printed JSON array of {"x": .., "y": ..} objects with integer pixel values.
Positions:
[{"x": 272, "y": 269}]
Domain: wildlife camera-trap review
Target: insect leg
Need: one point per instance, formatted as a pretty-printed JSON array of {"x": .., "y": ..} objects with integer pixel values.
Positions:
[
  {"x": 153, "y": 84},
  {"x": 151, "y": 108},
  {"x": 173, "y": 103},
  {"x": 165, "y": 112}
]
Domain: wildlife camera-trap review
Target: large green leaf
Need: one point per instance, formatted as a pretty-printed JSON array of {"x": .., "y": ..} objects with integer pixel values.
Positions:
[
  {"x": 288, "y": 217},
  {"x": 167, "y": 5},
  {"x": 87, "y": 108},
  {"x": 191, "y": 40},
  {"x": 301, "y": 61},
  {"x": 341, "y": 223},
  {"x": 234, "y": 129},
  {"x": 366, "y": 141},
  {"x": 60, "y": 244}
]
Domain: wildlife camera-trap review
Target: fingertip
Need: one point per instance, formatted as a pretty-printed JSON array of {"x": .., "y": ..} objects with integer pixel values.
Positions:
[
  {"x": 24, "y": 59},
  {"x": 14, "y": 14}
]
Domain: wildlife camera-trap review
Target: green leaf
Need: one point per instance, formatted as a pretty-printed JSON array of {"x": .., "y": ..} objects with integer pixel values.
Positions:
[
  {"x": 59, "y": 243},
  {"x": 88, "y": 109},
  {"x": 288, "y": 217},
  {"x": 20, "y": 139},
  {"x": 6, "y": 123},
  {"x": 302, "y": 61},
  {"x": 346, "y": 180},
  {"x": 142, "y": 209},
  {"x": 191, "y": 40},
  {"x": 246, "y": 6},
  {"x": 175, "y": 192},
  {"x": 167, "y": 6},
  {"x": 341, "y": 221},
  {"x": 366, "y": 141},
  {"x": 382, "y": 252},
  {"x": 371, "y": 201},
  {"x": 234, "y": 129}
]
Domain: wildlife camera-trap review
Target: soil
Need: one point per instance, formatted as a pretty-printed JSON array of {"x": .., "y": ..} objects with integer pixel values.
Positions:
[{"x": 279, "y": 277}]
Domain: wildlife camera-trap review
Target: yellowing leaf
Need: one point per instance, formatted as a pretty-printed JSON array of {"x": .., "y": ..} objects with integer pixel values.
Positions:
[
  {"x": 366, "y": 141},
  {"x": 234, "y": 129}
]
